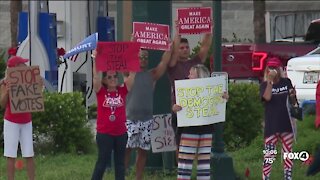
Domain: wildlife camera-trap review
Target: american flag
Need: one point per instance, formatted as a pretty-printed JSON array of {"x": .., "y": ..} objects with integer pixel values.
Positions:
[{"x": 74, "y": 57}]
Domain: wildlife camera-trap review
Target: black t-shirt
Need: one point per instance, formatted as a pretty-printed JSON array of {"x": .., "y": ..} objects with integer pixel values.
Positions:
[{"x": 276, "y": 110}]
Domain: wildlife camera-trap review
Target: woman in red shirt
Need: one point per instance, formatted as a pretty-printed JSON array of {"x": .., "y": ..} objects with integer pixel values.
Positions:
[{"x": 111, "y": 118}]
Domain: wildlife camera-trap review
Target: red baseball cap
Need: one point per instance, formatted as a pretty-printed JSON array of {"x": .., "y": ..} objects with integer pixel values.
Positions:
[
  {"x": 15, "y": 60},
  {"x": 274, "y": 62}
]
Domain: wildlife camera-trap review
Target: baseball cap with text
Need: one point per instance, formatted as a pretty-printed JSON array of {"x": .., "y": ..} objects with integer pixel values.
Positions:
[{"x": 274, "y": 62}]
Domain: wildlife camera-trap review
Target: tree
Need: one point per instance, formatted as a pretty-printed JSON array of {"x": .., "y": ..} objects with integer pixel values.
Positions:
[
  {"x": 15, "y": 8},
  {"x": 259, "y": 9}
]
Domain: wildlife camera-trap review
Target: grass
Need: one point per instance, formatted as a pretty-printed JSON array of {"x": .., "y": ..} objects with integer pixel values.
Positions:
[
  {"x": 251, "y": 156},
  {"x": 80, "y": 167}
]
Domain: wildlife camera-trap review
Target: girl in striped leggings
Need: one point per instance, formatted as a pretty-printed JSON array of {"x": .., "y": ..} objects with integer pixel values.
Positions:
[
  {"x": 195, "y": 141},
  {"x": 275, "y": 92}
]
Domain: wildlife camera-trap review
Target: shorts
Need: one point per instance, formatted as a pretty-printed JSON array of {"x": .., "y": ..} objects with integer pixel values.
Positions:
[
  {"x": 14, "y": 133},
  {"x": 139, "y": 134}
]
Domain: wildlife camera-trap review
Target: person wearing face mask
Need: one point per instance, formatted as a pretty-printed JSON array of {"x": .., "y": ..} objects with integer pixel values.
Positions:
[
  {"x": 275, "y": 92},
  {"x": 111, "y": 118},
  {"x": 181, "y": 63},
  {"x": 196, "y": 141}
]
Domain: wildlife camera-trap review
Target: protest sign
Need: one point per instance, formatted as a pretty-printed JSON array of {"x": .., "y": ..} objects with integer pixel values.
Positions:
[
  {"x": 25, "y": 89},
  {"x": 201, "y": 101},
  {"x": 194, "y": 20},
  {"x": 151, "y": 35},
  {"x": 89, "y": 43},
  {"x": 118, "y": 56},
  {"x": 162, "y": 137}
]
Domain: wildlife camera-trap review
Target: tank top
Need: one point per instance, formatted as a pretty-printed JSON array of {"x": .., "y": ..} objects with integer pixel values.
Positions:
[{"x": 140, "y": 98}]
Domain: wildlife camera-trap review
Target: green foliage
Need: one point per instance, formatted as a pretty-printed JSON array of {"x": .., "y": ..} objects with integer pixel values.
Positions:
[
  {"x": 252, "y": 156},
  {"x": 92, "y": 111},
  {"x": 2, "y": 71},
  {"x": 63, "y": 126},
  {"x": 244, "y": 115},
  {"x": 3, "y": 64},
  {"x": 244, "y": 111},
  {"x": 196, "y": 50}
]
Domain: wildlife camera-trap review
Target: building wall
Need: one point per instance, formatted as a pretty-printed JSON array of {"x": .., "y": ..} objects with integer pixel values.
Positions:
[
  {"x": 5, "y": 38},
  {"x": 237, "y": 16}
]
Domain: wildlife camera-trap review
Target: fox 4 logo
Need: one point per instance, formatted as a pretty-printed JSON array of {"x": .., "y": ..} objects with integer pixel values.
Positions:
[{"x": 302, "y": 156}]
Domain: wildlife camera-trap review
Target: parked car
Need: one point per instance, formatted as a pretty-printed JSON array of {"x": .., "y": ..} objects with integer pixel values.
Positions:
[
  {"x": 304, "y": 73},
  {"x": 247, "y": 61}
]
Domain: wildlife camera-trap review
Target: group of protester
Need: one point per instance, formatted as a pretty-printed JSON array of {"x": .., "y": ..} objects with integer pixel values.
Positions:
[
  {"x": 125, "y": 115},
  {"x": 132, "y": 104}
]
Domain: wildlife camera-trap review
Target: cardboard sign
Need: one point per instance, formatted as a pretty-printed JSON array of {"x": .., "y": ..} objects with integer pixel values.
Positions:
[
  {"x": 25, "y": 90},
  {"x": 151, "y": 36},
  {"x": 201, "y": 101},
  {"x": 194, "y": 20},
  {"x": 118, "y": 56},
  {"x": 163, "y": 136}
]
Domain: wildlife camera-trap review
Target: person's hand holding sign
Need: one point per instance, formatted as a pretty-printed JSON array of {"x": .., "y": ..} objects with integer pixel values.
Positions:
[
  {"x": 176, "y": 108},
  {"x": 225, "y": 96}
]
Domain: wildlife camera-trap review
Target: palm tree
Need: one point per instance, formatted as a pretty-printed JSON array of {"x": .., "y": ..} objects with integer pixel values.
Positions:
[
  {"x": 15, "y": 8},
  {"x": 259, "y": 9}
]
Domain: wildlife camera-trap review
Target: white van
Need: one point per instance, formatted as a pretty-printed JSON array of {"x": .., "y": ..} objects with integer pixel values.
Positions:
[{"x": 304, "y": 73}]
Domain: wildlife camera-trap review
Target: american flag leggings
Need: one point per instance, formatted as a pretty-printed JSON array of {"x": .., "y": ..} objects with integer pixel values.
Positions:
[
  {"x": 270, "y": 155},
  {"x": 194, "y": 146}
]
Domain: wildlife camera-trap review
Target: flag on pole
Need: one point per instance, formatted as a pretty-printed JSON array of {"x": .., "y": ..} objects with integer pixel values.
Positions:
[
  {"x": 88, "y": 44},
  {"x": 74, "y": 57}
]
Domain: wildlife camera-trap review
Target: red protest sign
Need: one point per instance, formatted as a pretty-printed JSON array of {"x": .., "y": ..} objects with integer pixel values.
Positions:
[
  {"x": 25, "y": 89},
  {"x": 118, "y": 56},
  {"x": 194, "y": 20},
  {"x": 151, "y": 35}
]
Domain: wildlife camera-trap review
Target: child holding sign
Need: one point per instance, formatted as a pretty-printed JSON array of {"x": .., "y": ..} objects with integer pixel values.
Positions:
[
  {"x": 195, "y": 140},
  {"x": 17, "y": 127},
  {"x": 111, "y": 118}
]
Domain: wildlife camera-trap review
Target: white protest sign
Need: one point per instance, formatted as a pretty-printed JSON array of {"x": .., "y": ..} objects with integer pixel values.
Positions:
[
  {"x": 162, "y": 137},
  {"x": 201, "y": 101}
]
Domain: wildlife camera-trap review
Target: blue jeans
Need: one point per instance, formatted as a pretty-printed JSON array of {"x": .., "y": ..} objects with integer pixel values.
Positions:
[{"x": 106, "y": 143}]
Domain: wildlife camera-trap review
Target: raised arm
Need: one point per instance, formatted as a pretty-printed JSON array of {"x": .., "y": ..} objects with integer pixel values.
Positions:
[
  {"x": 4, "y": 93},
  {"x": 96, "y": 78},
  {"x": 129, "y": 79},
  {"x": 205, "y": 46},
  {"x": 176, "y": 46},
  {"x": 267, "y": 95},
  {"x": 158, "y": 71}
]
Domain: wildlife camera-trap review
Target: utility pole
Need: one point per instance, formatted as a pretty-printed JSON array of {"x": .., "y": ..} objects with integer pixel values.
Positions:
[{"x": 221, "y": 163}]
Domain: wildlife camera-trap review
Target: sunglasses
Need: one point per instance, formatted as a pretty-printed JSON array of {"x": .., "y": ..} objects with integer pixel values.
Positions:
[
  {"x": 114, "y": 76},
  {"x": 144, "y": 58},
  {"x": 184, "y": 47}
]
